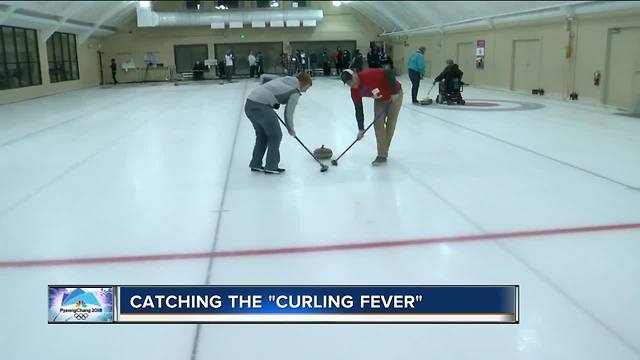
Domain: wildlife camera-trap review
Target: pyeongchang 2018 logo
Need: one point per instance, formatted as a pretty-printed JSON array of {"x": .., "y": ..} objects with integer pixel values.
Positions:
[{"x": 79, "y": 304}]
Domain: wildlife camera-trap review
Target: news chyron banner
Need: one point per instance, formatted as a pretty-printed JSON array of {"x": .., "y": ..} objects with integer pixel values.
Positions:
[{"x": 495, "y": 304}]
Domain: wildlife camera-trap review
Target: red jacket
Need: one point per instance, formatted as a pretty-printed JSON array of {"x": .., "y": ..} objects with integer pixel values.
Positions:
[{"x": 377, "y": 78}]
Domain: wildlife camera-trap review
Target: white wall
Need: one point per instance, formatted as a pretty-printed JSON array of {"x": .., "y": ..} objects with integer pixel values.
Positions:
[{"x": 559, "y": 75}]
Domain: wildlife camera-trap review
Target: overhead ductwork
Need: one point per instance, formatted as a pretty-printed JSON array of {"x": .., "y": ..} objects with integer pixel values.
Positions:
[
  {"x": 567, "y": 10},
  {"x": 232, "y": 19}
]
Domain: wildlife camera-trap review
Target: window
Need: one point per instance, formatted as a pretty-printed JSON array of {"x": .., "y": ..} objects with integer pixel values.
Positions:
[
  {"x": 227, "y": 4},
  {"x": 268, "y": 3},
  {"x": 299, "y": 4},
  {"x": 193, "y": 5},
  {"x": 19, "y": 58},
  {"x": 63, "y": 57}
]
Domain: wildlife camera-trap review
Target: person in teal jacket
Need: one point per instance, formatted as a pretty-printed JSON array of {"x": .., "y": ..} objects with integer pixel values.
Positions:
[{"x": 416, "y": 72}]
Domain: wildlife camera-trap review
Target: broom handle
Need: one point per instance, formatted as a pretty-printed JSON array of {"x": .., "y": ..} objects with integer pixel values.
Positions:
[
  {"x": 300, "y": 141},
  {"x": 383, "y": 111},
  {"x": 431, "y": 89}
]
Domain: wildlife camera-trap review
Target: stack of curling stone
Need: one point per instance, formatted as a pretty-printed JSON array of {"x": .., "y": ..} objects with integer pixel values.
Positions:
[{"x": 323, "y": 153}]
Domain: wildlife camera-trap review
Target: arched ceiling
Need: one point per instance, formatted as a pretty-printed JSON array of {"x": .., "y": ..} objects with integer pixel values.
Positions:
[
  {"x": 102, "y": 18},
  {"x": 85, "y": 18},
  {"x": 394, "y": 16}
]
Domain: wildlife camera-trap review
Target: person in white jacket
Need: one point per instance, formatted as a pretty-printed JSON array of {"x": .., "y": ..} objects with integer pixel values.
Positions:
[
  {"x": 252, "y": 64},
  {"x": 228, "y": 62}
]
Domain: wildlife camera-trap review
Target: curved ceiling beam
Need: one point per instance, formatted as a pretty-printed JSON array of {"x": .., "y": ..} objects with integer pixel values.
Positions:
[
  {"x": 382, "y": 22},
  {"x": 387, "y": 9},
  {"x": 10, "y": 10},
  {"x": 73, "y": 9},
  {"x": 122, "y": 18},
  {"x": 116, "y": 10},
  {"x": 424, "y": 13},
  {"x": 540, "y": 10}
]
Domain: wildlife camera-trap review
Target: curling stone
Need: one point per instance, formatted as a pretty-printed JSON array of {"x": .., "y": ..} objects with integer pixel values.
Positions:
[
  {"x": 323, "y": 153},
  {"x": 426, "y": 101}
]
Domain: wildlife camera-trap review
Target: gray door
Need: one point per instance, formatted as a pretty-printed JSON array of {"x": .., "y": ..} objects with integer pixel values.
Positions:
[
  {"x": 466, "y": 60},
  {"x": 526, "y": 65},
  {"x": 623, "y": 73},
  {"x": 187, "y": 55}
]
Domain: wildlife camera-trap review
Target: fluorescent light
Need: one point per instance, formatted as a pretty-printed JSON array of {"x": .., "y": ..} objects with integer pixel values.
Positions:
[
  {"x": 145, "y": 4},
  {"x": 337, "y": 3}
]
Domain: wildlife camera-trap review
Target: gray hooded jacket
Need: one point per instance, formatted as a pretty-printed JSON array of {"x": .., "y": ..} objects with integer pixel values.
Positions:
[{"x": 278, "y": 90}]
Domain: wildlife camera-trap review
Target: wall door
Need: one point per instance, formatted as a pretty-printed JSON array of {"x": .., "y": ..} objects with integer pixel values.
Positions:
[
  {"x": 187, "y": 55},
  {"x": 526, "y": 65},
  {"x": 465, "y": 58},
  {"x": 622, "y": 76}
]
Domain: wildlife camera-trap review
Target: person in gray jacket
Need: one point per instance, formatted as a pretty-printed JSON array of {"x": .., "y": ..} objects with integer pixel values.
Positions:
[{"x": 259, "y": 108}]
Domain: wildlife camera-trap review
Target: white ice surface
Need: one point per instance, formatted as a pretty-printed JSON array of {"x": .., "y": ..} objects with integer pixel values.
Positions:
[{"x": 144, "y": 169}]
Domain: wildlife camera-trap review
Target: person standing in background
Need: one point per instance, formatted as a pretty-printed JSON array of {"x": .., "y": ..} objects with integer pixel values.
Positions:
[
  {"x": 357, "y": 63},
  {"x": 221, "y": 68},
  {"x": 373, "y": 58},
  {"x": 304, "y": 61},
  {"x": 326, "y": 63},
  {"x": 114, "y": 67},
  {"x": 228, "y": 61},
  {"x": 298, "y": 56},
  {"x": 416, "y": 72},
  {"x": 313, "y": 62},
  {"x": 339, "y": 57},
  {"x": 260, "y": 63},
  {"x": 233, "y": 58},
  {"x": 346, "y": 59},
  {"x": 381, "y": 57},
  {"x": 291, "y": 64},
  {"x": 252, "y": 64}
]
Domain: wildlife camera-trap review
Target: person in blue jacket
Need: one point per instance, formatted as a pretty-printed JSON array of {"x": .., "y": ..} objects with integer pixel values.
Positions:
[{"x": 416, "y": 72}]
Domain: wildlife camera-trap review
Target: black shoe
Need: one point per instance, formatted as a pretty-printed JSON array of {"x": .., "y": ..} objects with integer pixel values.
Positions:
[
  {"x": 277, "y": 171},
  {"x": 257, "y": 169},
  {"x": 416, "y": 102}
]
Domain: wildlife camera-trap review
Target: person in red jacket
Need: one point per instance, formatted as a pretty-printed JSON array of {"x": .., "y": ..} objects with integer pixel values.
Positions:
[{"x": 382, "y": 86}]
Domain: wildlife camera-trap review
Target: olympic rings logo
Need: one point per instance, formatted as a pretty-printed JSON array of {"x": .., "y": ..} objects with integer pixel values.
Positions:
[{"x": 81, "y": 315}]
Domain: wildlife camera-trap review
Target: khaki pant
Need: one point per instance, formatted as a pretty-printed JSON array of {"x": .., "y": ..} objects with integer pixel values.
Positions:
[{"x": 385, "y": 125}]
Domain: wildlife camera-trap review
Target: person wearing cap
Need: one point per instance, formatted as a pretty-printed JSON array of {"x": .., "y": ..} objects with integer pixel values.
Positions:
[
  {"x": 259, "y": 108},
  {"x": 386, "y": 90},
  {"x": 416, "y": 72}
]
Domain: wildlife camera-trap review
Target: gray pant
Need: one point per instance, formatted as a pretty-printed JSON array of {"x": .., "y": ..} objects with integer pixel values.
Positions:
[
  {"x": 228, "y": 71},
  {"x": 268, "y": 134}
]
